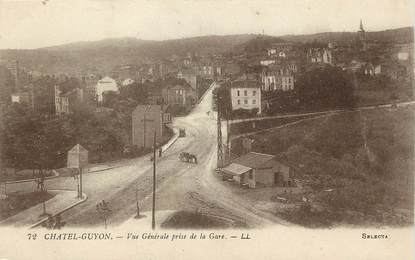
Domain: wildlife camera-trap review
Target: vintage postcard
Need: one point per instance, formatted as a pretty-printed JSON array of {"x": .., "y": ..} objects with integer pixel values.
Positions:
[{"x": 207, "y": 129}]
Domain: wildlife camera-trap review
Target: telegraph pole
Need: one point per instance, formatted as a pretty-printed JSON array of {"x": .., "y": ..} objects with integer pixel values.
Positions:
[
  {"x": 219, "y": 136},
  {"x": 144, "y": 130},
  {"x": 153, "y": 220},
  {"x": 80, "y": 183},
  {"x": 228, "y": 138}
]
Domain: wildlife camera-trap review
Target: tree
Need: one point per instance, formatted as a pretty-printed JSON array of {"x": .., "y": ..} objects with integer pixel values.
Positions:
[
  {"x": 6, "y": 85},
  {"x": 110, "y": 99},
  {"x": 104, "y": 211},
  {"x": 222, "y": 98},
  {"x": 135, "y": 91},
  {"x": 70, "y": 84},
  {"x": 44, "y": 95},
  {"x": 323, "y": 88}
]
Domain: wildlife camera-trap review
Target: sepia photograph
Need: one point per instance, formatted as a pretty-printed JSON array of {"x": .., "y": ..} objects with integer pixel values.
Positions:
[{"x": 261, "y": 129}]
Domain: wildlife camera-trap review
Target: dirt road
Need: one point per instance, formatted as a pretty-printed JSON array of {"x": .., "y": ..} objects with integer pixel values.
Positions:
[{"x": 180, "y": 185}]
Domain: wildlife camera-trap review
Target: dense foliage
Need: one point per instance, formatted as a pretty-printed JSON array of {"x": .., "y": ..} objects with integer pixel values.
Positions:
[
  {"x": 32, "y": 140},
  {"x": 326, "y": 87}
]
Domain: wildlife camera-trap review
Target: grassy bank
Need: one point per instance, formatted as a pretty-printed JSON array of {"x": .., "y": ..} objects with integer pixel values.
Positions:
[
  {"x": 15, "y": 203},
  {"x": 355, "y": 168}
]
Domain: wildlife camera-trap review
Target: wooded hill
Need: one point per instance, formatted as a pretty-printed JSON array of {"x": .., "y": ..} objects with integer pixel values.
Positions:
[{"x": 102, "y": 56}]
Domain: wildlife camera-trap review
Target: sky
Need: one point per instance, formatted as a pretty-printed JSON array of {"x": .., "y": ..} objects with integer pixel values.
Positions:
[{"x": 27, "y": 24}]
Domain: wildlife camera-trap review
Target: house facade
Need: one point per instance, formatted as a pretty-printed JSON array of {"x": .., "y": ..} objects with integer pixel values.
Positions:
[
  {"x": 320, "y": 56},
  {"x": 277, "y": 78},
  {"x": 61, "y": 102},
  {"x": 147, "y": 120},
  {"x": 267, "y": 62},
  {"x": 90, "y": 85},
  {"x": 21, "y": 97},
  {"x": 179, "y": 93},
  {"x": 246, "y": 94},
  {"x": 64, "y": 102},
  {"x": 190, "y": 77}
]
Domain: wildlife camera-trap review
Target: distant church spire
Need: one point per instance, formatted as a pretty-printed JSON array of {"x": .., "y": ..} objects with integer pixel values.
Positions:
[{"x": 361, "y": 26}]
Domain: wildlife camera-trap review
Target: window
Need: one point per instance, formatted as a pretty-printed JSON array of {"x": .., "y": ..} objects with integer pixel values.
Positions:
[
  {"x": 251, "y": 175},
  {"x": 245, "y": 93},
  {"x": 239, "y": 102},
  {"x": 254, "y": 101},
  {"x": 237, "y": 93},
  {"x": 246, "y": 102},
  {"x": 253, "y": 93}
]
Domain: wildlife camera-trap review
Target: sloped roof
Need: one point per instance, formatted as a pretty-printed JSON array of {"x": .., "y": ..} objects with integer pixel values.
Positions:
[
  {"x": 253, "y": 159},
  {"x": 236, "y": 169},
  {"x": 78, "y": 149},
  {"x": 245, "y": 84},
  {"x": 177, "y": 82},
  {"x": 106, "y": 80},
  {"x": 148, "y": 108}
]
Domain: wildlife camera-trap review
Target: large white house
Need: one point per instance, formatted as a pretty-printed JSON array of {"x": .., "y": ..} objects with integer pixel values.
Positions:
[
  {"x": 277, "y": 78},
  {"x": 105, "y": 84},
  {"x": 246, "y": 94}
]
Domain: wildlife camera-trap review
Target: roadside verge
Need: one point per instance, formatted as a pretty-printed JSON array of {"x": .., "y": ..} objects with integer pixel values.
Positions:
[{"x": 61, "y": 202}]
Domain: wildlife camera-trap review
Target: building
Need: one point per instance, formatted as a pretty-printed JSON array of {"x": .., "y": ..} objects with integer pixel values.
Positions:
[
  {"x": 179, "y": 93},
  {"x": 127, "y": 82},
  {"x": 280, "y": 49},
  {"x": 22, "y": 97},
  {"x": 277, "y": 78},
  {"x": 258, "y": 169},
  {"x": 246, "y": 94},
  {"x": 392, "y": 70},
  {"x": 61, "y": 102},
  {"x": 190, "y": 77},
  {"x": 65, "y": 102},
  {"x": 90, "y": 85},
  {"x": 206, "y": 70},
  {"x": 267, "y": 62},
  {"x": 368, "y": 69},
  {"x": 320, "y": 56},
  {"x": 355, "y": 66},
  {"x": 404, "y": 52},
  {"x": 147, "y": 120},
  {"x": 103, "y": 85},
  {"x": 402, "y": 55}
]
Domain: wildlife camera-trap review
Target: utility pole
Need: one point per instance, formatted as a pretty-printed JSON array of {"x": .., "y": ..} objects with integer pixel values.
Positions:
[
  {"x": 219, "y": 135},
  {"x": 144, "y": 130},
  {"x": 80, "y": 183},
  {"x": 153, "y": 220}
]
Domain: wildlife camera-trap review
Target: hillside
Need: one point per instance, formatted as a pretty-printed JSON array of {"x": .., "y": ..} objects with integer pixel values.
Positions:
[
  {"x": 103, "y": 55},
  {"x": 400, "y": 35}
]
